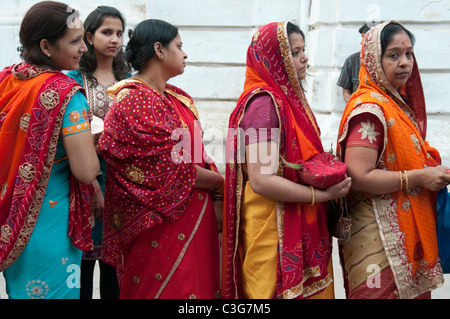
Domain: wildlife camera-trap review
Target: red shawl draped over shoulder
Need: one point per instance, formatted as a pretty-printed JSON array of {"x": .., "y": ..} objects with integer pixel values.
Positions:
[
  {"x": 148, "y": 180},
  {"x": 304, "y": 243},
  {"x": 32, "y": 105}
]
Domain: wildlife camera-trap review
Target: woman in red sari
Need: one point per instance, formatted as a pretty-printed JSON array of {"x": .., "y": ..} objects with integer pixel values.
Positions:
[
  {"x": 160, "y": 227},
  {"x": 276, "y": 241}
]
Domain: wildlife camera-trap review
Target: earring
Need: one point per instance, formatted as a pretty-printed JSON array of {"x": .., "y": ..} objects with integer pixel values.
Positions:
[{"x": 49, "y": 55}]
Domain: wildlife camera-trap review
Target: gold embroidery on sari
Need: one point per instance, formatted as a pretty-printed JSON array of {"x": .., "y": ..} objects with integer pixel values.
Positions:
[
  {"x": 3, "y": 191},
  {"x": 378, "y": 96},
  {"x": 49, "y": 99},
  {"x": 391, "y": 158},
  {"x": 5, "y": 233},
  {"x": 358, "y": 102},
  {"x": 27, "y": 172},
  {"x": 416, "y": 143},
  {"x": 116, "y": 220},
  {"x": 24, "y": 122},
  {"x": 122, "y": 94},
  {"x": 390, "y": 123},
  {"x": 135, "y": 174}
]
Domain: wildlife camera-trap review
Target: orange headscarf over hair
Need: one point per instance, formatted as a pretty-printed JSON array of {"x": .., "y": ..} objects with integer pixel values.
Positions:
[
  {"x": 406, "y": 219},
  {"x": 304, "y": 243}
]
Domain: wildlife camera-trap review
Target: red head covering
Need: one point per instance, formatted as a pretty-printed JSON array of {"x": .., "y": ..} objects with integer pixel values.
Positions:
[{"x": 304, "y": 242}]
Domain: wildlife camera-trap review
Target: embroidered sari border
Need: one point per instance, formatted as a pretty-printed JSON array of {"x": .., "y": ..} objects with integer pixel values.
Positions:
[
  {"x": 393, "y": 241},
  {"x": 185, "y": 247}
]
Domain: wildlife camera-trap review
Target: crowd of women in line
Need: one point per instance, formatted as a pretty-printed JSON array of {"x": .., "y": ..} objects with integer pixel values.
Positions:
[{"x": 127, "y": 195}]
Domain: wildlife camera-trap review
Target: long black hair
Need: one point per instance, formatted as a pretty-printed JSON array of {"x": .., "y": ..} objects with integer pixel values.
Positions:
[
  {"x": 88, "y": 62},
  {"x": 140, "y": 47}
]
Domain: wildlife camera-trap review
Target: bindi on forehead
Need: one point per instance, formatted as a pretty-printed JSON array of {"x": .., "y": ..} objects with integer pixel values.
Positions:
[
  {"x": 403, "y": 46},
  {"x": 403, "y": 33},
  {"x": 401, "y": 41}
]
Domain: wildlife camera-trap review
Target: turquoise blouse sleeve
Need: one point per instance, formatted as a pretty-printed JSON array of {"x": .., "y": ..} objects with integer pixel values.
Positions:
[{"x": 76, "y": 118}]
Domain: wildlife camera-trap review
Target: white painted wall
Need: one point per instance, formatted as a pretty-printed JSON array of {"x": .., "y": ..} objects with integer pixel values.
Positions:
[{"x": 216, "y": 34}]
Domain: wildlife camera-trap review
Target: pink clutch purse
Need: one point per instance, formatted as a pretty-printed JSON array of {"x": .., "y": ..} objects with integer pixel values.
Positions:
[{"x": 320, "y": 171}]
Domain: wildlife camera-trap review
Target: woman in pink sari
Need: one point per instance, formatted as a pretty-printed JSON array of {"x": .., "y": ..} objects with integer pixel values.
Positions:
[
  {"x": 276, "y": 242},
  {"x": 160, "y": 227}
]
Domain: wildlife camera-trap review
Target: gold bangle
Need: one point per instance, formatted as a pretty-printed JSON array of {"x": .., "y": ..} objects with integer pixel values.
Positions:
[
  {"x": 405, "y": 179},
  {"x": 313, "y": 199}
]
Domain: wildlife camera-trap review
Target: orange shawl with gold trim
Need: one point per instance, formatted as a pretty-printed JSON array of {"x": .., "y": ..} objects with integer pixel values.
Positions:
[
  {"x": 406, "y": 219},
  {"x": 32, "y": 105}
]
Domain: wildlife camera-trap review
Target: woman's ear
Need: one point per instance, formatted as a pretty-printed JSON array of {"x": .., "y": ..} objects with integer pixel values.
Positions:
[
  {"x": 90, "y": 38},
  {"x": 158, "y": 50},
  {"x": 45, "y": 48}
]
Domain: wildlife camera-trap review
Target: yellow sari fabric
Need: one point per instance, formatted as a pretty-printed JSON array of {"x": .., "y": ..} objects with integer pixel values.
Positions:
[{"x": 258, "y": 233}]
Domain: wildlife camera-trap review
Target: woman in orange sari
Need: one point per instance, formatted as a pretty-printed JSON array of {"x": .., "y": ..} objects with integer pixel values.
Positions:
[
  {"x": 276, "y": 242},
  {"x": 160, "y": 227},
  {"x": 393, "y": 251}
]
